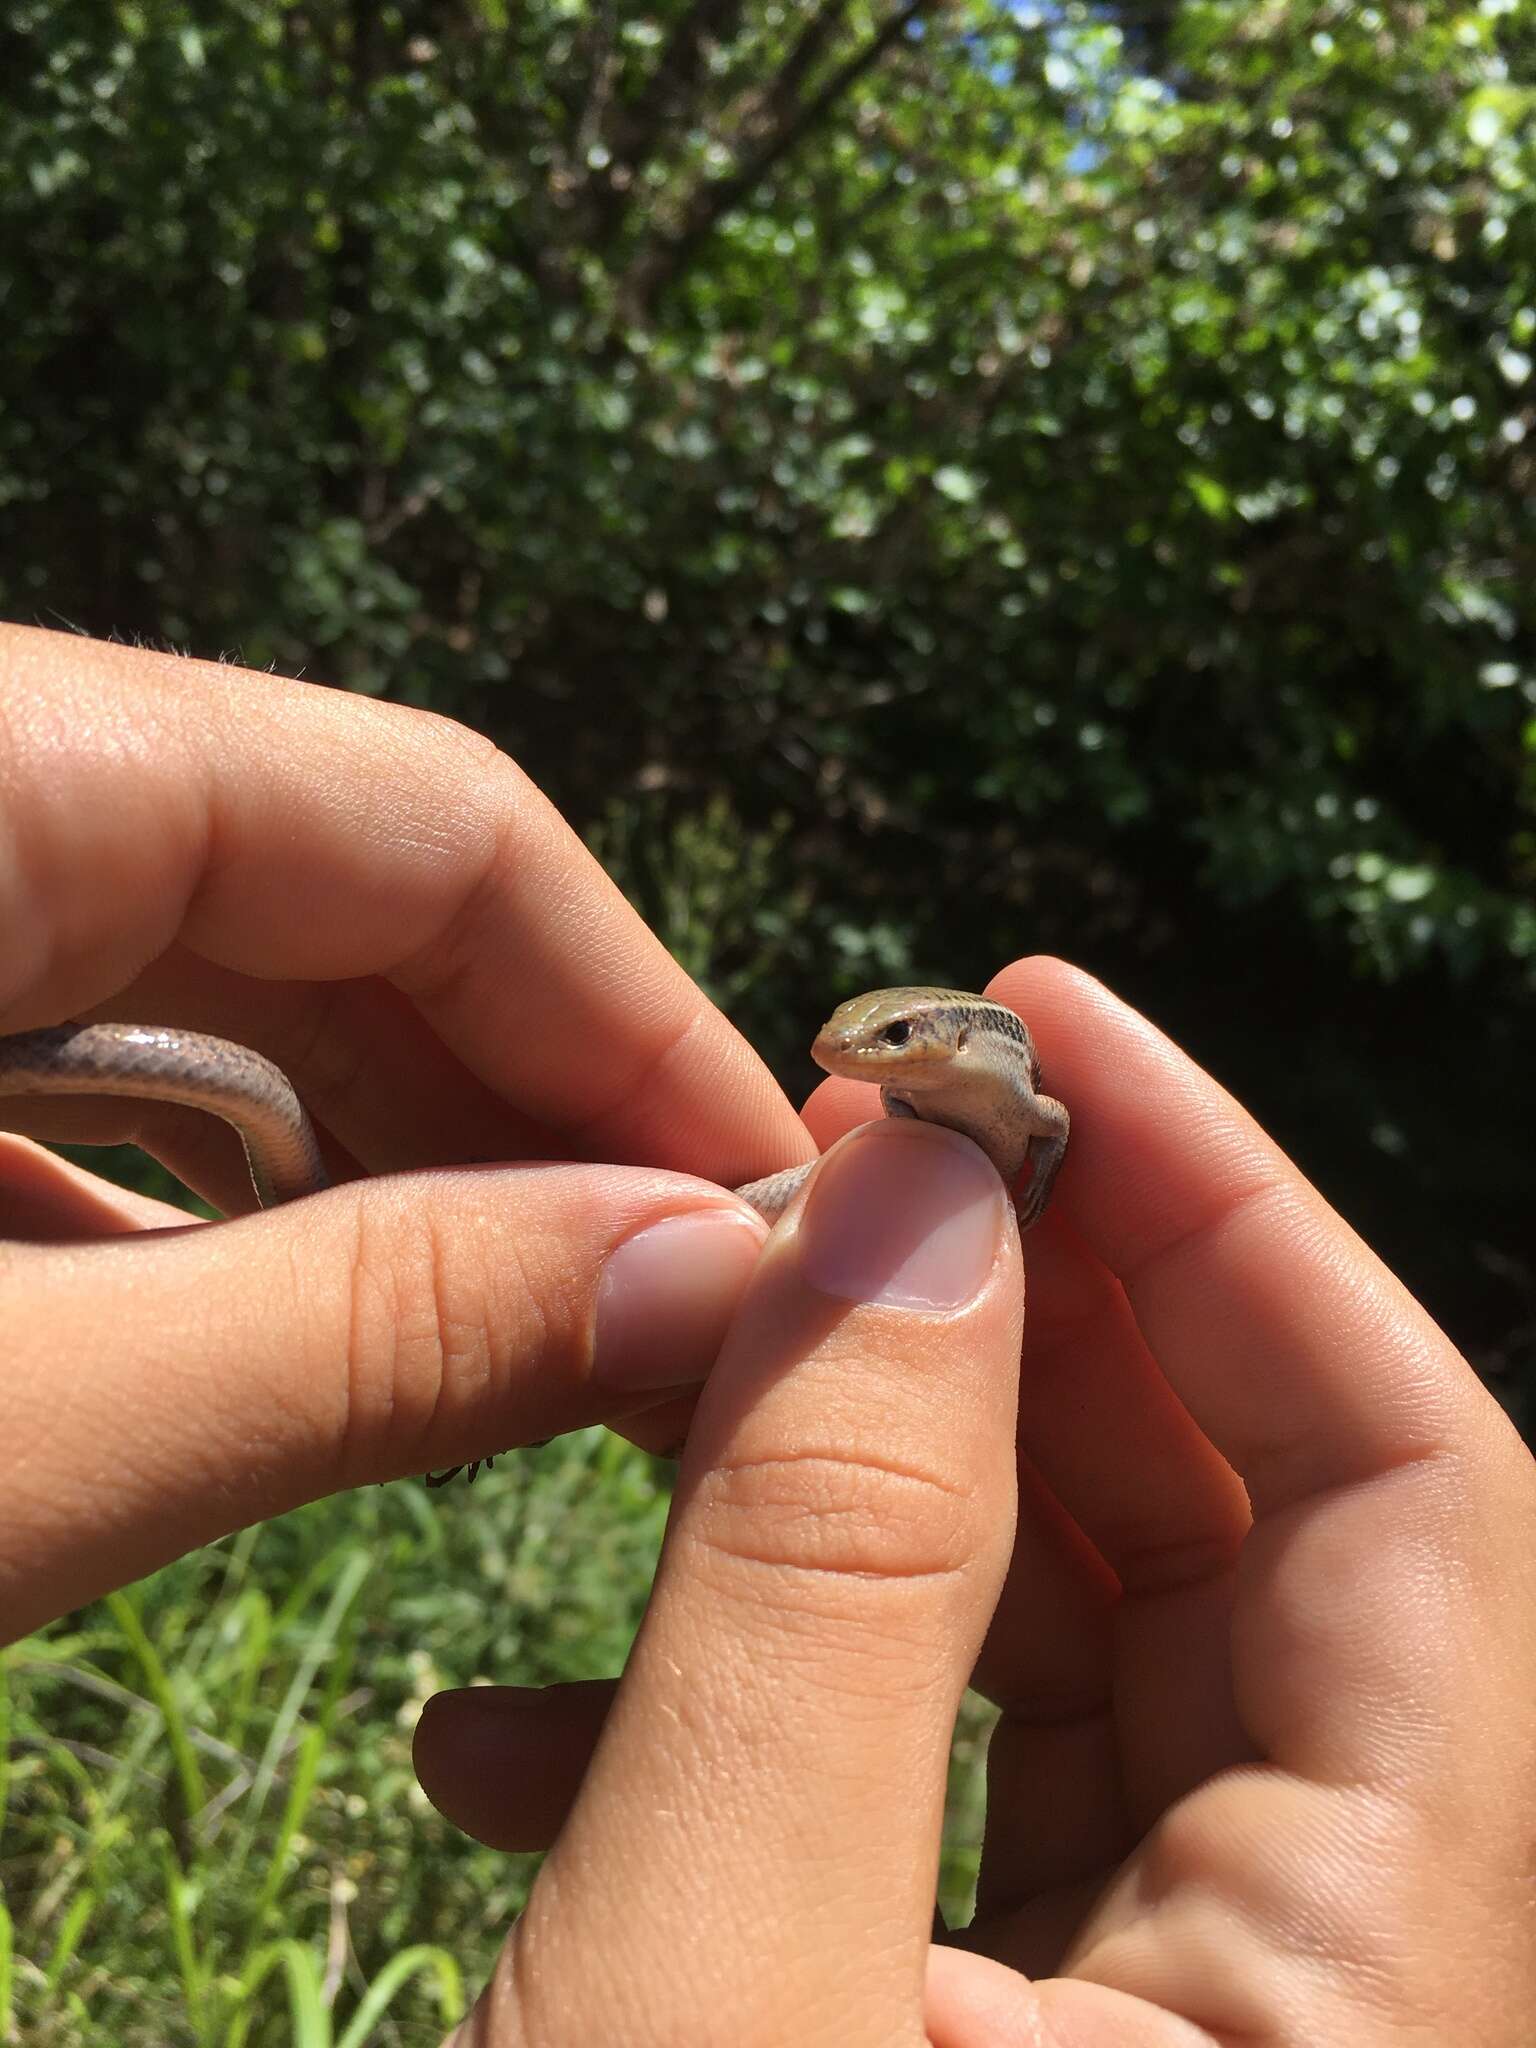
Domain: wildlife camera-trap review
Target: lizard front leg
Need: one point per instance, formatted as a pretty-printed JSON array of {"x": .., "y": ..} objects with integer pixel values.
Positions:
[{"x": 1047, "y": 1148}]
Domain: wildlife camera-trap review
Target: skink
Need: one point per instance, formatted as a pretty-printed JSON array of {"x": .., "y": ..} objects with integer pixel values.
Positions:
[{"x": 936, "y": 1053}]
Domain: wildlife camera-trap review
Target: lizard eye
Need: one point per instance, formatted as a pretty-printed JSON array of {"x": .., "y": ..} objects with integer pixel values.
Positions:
[{"x": 897, "y": 1033}]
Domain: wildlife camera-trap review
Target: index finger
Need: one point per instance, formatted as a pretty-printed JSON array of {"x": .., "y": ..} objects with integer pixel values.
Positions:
[
  {"x": 291, "y": 832},
  {"x": 1393, "y": 1504},
  {"x": 776, "y": 1755}
]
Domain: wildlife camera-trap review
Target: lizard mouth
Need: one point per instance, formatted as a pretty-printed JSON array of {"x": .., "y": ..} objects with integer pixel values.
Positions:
[{"x": 839, "y": 1055}]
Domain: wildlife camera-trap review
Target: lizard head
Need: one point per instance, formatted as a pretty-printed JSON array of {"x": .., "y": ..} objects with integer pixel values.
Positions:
[{"x": 898, "y": 1032}]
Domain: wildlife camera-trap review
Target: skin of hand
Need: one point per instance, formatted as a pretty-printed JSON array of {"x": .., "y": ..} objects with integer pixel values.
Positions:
[
  {"x": 383, "y": 904},
  {"x": 1264, "y": 1639},
  {"x": 1244, "y": 1555}
]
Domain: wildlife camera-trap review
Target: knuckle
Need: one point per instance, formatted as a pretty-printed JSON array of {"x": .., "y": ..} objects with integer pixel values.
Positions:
[
  {"x": 833, "y": 1514},
  {"x": 449, "y": 735},
  {"x": 412, "y": 732},
  {"x": 508, "y": 835},
  {"x": 419, "y": 1337}
]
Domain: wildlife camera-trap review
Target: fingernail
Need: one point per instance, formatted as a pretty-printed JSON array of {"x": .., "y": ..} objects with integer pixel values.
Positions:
[
  {"x": 906, "y": 1214},
  {"x": 666, "y": 1297}
]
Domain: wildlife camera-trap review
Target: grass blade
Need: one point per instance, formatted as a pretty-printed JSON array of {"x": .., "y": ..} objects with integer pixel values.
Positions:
[
  {"x": 81, "y": 1907},
  {"x": 7, "y": 1950},
  {"x": 179, "y": 1907},
  {"x": 305, "y": 1772},
  {"x": 349, "y": 1584},
  {"x": 311, "y": 2023},
  {"x": 423, "y": 1960},
  {"x": 126, "y": 1615}
]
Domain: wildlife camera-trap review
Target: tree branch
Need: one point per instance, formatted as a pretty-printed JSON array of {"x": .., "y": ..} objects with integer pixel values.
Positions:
[
  {"x": 784, "y": 93},
  {"x": 667, "y": 259},
  {"x": 633, "y": 130}
]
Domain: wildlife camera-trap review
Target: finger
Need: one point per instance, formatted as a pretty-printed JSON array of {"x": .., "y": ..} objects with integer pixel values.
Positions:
[
  {"x": 1366, "y": 1444},
  {"x": 322, "y": 837},
  {"x": 1057, "y": 1820},
  {"x": 777, "y": 1755},
  {"x": 972, "y": 2002},
  {"x": 47, "y": 1200},
  {"x": 837, "y": 1106},
  {"x": 1109, "y": 1436},
  {"x": 1054, "y": 1806},
  {"x": 1055, "y": 1810},
  {"x": 834, "y": 1108},
  {"x": 1097, "y": 1417},
  {"x": 1102, "y": 1429},
  {"x": 1102, "y": 1727},
  {"x": 216, "y": 1376},
  {"x": 505, "y": 1762}
]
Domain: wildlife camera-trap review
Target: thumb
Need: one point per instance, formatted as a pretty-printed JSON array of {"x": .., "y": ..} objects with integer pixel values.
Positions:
[
  {"x": 775, "y": 1760},
  {"x": 162, "y": 1387}
]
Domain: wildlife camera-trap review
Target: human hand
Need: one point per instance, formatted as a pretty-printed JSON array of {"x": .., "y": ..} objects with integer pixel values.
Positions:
[
  {"x": 384, "y": 905},
  {"x": 1265, "y": 1770}
]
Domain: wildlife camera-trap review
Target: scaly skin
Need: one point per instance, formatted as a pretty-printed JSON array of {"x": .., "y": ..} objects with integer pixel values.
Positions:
[{"x": 158, "y": 1064}]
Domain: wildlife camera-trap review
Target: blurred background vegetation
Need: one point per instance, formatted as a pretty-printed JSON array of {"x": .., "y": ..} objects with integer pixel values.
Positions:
[{"x": 915, "y": 482}]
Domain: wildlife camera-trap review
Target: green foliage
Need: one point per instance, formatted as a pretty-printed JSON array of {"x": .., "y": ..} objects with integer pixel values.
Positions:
[{"x": 213, "y": 1834}]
